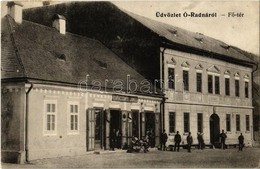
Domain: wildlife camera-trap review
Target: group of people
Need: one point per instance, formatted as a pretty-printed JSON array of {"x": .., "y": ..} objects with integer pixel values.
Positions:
[
  {"x": 177, "y": 140},
  {"x": 116, "y": 137},
  {"x": 223, "y": 137},
  {"x": 201, "y": 144}
]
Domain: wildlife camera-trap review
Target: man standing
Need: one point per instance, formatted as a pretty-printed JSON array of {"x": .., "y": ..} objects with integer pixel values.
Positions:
[
  {"x": 200, "y": 141},
  {"x": 112, "y": 139},
  {"x": 189, "y": 141},
  {"x": 223, "y": 137},
  {"x": 177, "y": 140},
  {"x": 163, "y": 140},
  {"x": 118, "y": 139},
  {"x": 241, "y": 142}
]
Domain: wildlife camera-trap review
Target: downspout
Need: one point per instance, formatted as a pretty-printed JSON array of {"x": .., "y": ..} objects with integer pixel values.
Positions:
[
  {"x": 252, "y": 129},
  {"x": 162, "y": 87},
  {"x": 26, "y": 123}
]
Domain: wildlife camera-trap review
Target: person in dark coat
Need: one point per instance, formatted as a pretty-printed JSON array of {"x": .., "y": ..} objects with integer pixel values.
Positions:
[
  {"x": 163, "y": 140},
  {"x": 118, "y": 139},
  {"x": 189, "y": 142},
  {"x": 112, "y": 138},
  {"x": 223, "y": 137},
  {"x": 241, "y": 142},
  {"x": 200, "y": 141},
  {"x": 177, "y": 140}
]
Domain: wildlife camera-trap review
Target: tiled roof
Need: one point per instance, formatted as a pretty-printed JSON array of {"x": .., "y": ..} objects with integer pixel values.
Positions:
[
  {"x": 170, "y": 33},
  {"x": 188, "y": 38},
  {"x": 45, "y": 54},
  {"x": 10, "y": 63}
]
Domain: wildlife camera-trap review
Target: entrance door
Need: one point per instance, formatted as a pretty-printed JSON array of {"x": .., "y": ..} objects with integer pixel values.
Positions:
[
  {"x": 214, "y": 129},
  {"x": 98, "y": 129},
  {"x": 150, "y": 127},
  {"x": 116, "y": 123},
  {"x": 135, "y": 124},
  {"x": 115, "y": 120}
]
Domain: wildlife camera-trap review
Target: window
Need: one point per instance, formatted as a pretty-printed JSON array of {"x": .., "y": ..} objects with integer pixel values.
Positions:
[
  {"x": 247, "y": 123},
  {"x": 200, "y": 122},
  {"x": 186, "y": 122},
  {"x": 50, "y": 119},
  {"x": 238, "y": 122},
  {"x": 210, "y": 83},
  {"x": 228, "y": 122},
  {"x": 171, "y": 78},
  {"x": 246, "y": 89},
  {"x": 237, "y": 88},
  {"x": 217, "y": 85},
  {"x": 199, "y": 82},
  {"x": 172, "y": 122},
  {"x": 186, "y": 80},
  {"x": 73, "y": 116},
  {"x": 227, "y": 86}
]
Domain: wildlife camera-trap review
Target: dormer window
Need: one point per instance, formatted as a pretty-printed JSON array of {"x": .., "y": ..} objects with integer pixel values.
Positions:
[
  {"x": 199, "y": 37},
  {"x": 225, "y": 46},
  {"x": 173, "y": 32},
  {"x": 103, "y": 65},
  {"x": 62, "y": 57}
]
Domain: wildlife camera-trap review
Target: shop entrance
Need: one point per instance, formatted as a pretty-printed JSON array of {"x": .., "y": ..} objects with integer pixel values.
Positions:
[
  {"x": 115, "y": 120},
  {"x": 116, "y": 124},
  {"x": 214, "y": 129},
  {"x": 150, "y": 127}
]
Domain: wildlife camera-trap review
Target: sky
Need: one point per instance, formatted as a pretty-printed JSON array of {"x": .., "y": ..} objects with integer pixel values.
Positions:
[{"x": 242, "y": 32}]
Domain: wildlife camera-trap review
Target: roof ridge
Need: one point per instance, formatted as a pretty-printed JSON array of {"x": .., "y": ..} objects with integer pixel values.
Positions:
[{"x": 9, "y": 25}]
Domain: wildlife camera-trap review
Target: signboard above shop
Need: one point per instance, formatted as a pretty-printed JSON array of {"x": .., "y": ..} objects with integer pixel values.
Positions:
[{"x": 121, "y": 98}]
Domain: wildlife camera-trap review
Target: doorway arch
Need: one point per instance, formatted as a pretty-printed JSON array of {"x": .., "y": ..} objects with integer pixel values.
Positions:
[{"x": 214, "y": 129}]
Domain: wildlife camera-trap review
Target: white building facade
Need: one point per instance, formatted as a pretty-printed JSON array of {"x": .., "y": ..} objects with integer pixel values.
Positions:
[{"x": 206, "y": 95}]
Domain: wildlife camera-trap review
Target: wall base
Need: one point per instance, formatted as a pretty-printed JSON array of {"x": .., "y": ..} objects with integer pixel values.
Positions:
[{"x": 10, "y": 156}]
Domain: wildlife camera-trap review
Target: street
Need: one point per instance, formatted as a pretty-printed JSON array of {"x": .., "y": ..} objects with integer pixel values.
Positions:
[{"x": 208, "y": 158}]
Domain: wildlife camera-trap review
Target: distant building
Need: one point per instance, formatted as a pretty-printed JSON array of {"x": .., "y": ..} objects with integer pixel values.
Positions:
[
  {"x": 207, "y": 83},
  {"x": 62, "y": 94}
]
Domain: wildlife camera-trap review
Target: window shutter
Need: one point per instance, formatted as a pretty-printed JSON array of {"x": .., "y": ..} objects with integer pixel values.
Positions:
[{"x": 90, "y": 129}]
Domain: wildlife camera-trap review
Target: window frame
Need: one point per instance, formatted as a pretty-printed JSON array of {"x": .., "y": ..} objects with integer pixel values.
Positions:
[
  {"x": 228, "y": 122},
  {"x": 172, "y": 127},
  {"x": 238, "y": 127},
  {"x": 186, "y": 121},
  {"x": 200, "y": 122},
  {"x": 73, "y": 103},
  {"x": 246, "y": 89},
  {"x": 199, "y": 82},
  {"x": 47, "y": 132},
  {"x": 237, "y": 86},
  {"x": 247, "y": 122},
  {"x": 185, "y": 80},
  {"x": 210, "y": 86},
  {"x": 227, "y": 93},
  {"x": 217, "y": 85},
  {"x": 173, "y": 78}
]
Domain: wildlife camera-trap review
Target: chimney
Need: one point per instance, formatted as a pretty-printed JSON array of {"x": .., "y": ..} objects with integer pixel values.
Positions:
[
  {"x": 15, "y": 10},
  {"x": 59, "y": 22}
]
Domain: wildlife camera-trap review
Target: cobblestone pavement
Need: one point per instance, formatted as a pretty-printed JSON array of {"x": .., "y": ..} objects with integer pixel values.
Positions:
[{"x": 209, "y": 158}]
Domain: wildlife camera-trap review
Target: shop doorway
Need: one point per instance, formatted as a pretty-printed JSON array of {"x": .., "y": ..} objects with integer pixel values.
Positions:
[
  {"x": 150, "y": 127},
  {"x": 214, "y": 129},
  {"x": 116, "y": 124}
]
